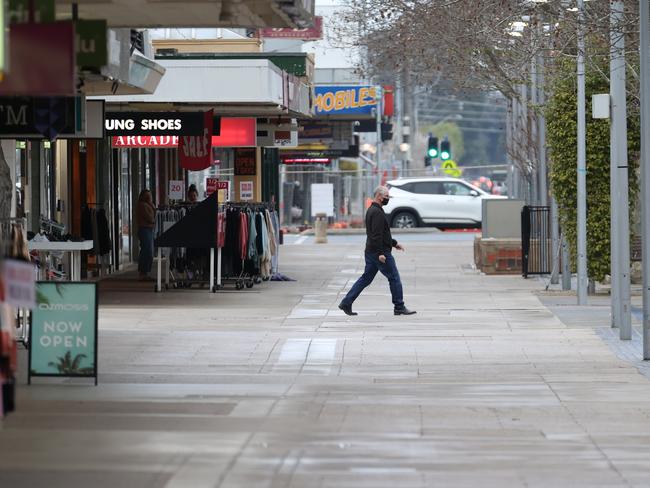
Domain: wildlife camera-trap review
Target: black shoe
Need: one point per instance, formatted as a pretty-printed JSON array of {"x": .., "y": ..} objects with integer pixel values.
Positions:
[
  {"x": 347, "y": 309},
  {"x": 404, "y": 311}
]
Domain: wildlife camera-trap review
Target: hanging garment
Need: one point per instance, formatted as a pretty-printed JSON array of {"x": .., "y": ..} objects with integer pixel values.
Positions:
[
  {"x": 271, "y": 229},
  {"x": 252, "y": 237},
  {"x": 265, "y": 262},
  {"x": 243, "y": 236},
  {"x": 105, "y": 244}
]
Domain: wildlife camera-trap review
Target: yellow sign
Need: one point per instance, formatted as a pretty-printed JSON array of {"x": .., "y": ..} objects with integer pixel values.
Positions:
[{"x": 451, "y": 168}]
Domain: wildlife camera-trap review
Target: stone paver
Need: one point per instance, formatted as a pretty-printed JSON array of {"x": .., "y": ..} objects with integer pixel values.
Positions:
[{"x": 274, "y": 387}]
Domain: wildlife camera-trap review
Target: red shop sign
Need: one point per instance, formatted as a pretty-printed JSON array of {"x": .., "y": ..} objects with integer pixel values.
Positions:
[{"x": 195, "y": 152}]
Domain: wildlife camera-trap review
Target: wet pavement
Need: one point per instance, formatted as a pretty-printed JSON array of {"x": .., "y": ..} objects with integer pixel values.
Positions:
[{"x": 275, "y": 387}]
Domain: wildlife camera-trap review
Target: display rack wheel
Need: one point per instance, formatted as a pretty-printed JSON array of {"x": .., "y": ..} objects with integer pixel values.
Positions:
[
  {"x": 249, "y": 284},
  {"x": 257, "y": 280},
  {"x": 239, "y": 286}
]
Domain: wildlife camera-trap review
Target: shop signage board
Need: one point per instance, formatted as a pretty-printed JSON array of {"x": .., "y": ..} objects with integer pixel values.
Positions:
[
  {"x": 92, "y": 43},
  {"x": 245, "y": 162},
  {"x": 195, "y": 152},
  {"x": 308, "y": 34},
  {"x": 348, "y": 100},
  {"x": 322, "y": 199},
  {"x": 38, "y": 117},
  {"x": 44, "y": 11},
  {"x": 18, "y": 283},
  {"x": 234, "y": 132},
  {"x": 63, "y": 335},
  {"x": 176, "y": 190},
  {"x": 351, "y": 152},
  {"x": 156, "y": 123},
  {"x": 53, "y": 74},
  {"x": 245, "y": 191},
  {"x": 316, "y": 131}
]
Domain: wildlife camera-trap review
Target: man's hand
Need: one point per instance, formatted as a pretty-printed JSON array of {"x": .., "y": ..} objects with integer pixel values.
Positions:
[
  {"x": 399, "y": 247},
  {"x": 382, "y": 259}
]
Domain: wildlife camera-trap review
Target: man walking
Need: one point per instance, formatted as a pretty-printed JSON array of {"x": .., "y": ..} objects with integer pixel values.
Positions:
[{"x": 379, "y": 245}]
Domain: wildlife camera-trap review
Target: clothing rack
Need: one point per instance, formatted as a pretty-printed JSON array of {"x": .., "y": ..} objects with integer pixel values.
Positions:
[
  {"x": 95, "y": 227},
  {"x": 198, "y": 230}
]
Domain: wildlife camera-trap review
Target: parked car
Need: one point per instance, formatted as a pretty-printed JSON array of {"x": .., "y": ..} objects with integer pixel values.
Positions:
[{"x": 435, "y": 201}]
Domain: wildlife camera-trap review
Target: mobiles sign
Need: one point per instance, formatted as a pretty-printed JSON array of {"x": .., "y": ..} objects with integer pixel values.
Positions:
[{"x": 346, "y": 100}]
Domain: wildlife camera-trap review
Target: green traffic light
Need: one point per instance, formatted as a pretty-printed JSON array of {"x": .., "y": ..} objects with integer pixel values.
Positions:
[
  {"x": 433, "y": 153},
  {"x": 445, "y": 155}
]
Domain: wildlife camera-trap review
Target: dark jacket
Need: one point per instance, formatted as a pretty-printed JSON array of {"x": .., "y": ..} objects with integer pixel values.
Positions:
[{"x": 379, "y": 241}]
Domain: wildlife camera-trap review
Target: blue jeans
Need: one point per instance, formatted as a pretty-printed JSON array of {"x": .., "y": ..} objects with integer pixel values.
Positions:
[
  {"x": 389, "y": 270},
  {"x": 145, "y": 259}
]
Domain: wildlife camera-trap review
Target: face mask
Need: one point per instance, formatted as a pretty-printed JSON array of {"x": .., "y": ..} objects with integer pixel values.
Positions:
[{"x": 385, "y": 201}]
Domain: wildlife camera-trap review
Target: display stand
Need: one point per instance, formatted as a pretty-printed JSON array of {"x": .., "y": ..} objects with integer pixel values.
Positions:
[
  {"x": 72, "y": 247},
  {"x": 197, "y": 230}
]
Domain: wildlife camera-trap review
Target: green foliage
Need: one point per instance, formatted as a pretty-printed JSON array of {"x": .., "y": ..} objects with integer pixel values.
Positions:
[
  {"x": 454, "y": 133},
  {"x": 561, "y": 113},
  {"x": 69, "y": 365}
]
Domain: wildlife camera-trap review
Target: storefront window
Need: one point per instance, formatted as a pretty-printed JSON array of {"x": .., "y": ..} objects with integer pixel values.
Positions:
[{"x": 222, "y": 168}]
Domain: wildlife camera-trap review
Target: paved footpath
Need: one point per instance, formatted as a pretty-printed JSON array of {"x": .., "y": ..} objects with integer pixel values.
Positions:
[{"x": 274, "y": 387}]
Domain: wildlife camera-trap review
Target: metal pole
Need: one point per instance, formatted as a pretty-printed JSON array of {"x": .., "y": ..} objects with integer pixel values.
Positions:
[
  {"x": 533, "y": 134},
  {"x": 510, "y": 180},
  {"x": 555, "y": 240},
  {"x": 583, "y": 280},
  {"x": 644, "y": 11},
  {"x": 566, "y": 264},
  {"x": 541, "y": 134},
  {"x": 378, "y": 110},
  {"x": 524, "y": 139},
  {"x": 619, "y": 168}
]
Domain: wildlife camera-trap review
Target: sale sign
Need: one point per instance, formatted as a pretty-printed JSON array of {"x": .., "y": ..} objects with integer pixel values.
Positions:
[
  {"x": 195, "y": 152},
  {"x": 176, "y": 190}
]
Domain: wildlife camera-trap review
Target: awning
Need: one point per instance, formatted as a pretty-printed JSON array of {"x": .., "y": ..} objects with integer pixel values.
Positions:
[{"x": 253, "y": 87}]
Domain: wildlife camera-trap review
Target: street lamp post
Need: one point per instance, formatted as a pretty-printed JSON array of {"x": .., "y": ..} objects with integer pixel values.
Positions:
[
  {"x": 620, "y": 219},
  {"x": 582, "y": 162},
  {"x": 644, "y": 14}
]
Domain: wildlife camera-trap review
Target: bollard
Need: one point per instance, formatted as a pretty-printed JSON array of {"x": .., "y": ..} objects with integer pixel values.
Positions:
[{"x": 320, "y": 229}]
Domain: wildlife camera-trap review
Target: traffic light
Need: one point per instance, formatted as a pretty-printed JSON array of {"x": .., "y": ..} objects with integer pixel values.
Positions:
[
  {"x": 445, "y": 150},
  {"x": 427, "y": 161},
  {"x": 432, "y": 152}
]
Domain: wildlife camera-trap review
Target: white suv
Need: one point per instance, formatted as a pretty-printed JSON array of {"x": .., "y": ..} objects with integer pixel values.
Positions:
[{"x": 434, "y": 201}]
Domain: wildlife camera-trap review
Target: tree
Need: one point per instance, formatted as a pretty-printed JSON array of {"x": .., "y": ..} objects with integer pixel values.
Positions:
[{"x": 562, "y": 142}]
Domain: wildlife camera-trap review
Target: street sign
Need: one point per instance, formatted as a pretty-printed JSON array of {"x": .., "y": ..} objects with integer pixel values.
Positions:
[
  {"x": 451, "y": 168},
  {"x": 63, "y": 336}
]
